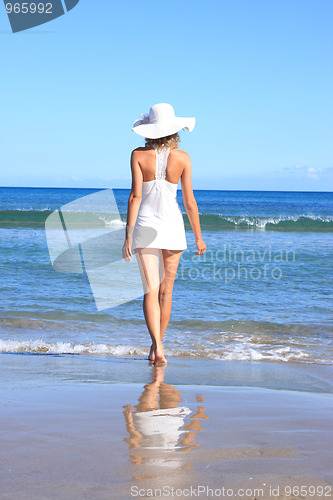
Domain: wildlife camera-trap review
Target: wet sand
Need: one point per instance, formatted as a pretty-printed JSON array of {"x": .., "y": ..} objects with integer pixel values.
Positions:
[{"x": 95, "y": 437}]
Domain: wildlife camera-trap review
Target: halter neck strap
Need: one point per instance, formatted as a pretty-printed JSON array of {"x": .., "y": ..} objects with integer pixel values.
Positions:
[{"x": 161, "y": 162}]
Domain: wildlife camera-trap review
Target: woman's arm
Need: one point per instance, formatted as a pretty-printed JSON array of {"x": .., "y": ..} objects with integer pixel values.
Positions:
[
  {"x": 191, "y": 205},
  {"x": 134, "y": 202}
]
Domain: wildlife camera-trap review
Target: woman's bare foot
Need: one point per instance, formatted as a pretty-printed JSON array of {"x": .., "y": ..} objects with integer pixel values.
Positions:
[
  {"x": 159, "y": 356},
  {"x": 151, "y": 355}
]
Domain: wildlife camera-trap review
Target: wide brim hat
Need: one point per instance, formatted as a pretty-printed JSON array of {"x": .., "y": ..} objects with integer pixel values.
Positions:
[{"x": 161, "y": 121}]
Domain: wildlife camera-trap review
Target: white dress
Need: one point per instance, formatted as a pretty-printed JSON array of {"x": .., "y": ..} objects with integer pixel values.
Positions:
[
  {"x": 160, "y": 221},
  {"x": 162, "y": 428}
]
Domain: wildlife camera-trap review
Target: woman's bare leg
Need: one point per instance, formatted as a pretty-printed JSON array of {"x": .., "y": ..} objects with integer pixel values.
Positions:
[
  {"x": 168, "y": 270},
  {"x": 148, "y": 264},
  {"x": 171, "y": 260}
]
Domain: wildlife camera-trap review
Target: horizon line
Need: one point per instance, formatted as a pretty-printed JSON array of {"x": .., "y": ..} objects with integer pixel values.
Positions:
[{"x": 194, "y": 189}]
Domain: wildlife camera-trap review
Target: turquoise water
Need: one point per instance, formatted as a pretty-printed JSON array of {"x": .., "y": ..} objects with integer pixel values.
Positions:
[{"x": 262, "y": 290}]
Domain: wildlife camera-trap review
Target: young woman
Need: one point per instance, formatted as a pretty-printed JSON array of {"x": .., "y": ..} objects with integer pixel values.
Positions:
[{"x": 155, "y": 225}]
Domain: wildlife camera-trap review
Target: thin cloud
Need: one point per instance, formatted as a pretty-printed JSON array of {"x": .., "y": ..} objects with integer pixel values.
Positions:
[{"x": 309, "y": 172}]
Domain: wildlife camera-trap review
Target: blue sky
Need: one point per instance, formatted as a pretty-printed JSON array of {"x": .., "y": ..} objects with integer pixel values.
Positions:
[{"x": 256, "y": 74}]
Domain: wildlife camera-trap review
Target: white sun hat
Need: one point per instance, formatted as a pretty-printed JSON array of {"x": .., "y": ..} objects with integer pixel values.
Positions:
[{"x": 161, "y": 122}]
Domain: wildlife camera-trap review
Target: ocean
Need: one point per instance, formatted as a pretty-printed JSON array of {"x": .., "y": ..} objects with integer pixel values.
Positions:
[{"x": 261, "y": 292}]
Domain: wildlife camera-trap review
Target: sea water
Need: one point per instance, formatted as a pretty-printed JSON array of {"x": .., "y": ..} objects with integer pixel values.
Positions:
[{"x": 262, "y": 291}]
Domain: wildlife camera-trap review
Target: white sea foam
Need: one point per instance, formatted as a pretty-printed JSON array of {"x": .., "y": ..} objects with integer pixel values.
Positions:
[
  {"x": 242, "y": 352},
  {"x": 113, "y": 222},
  {"x": 261, "y": 222},
  {"x": 40, "y": 346},
  {"x": 250, "y": 354},
  {"x": 31, "y": 209}
]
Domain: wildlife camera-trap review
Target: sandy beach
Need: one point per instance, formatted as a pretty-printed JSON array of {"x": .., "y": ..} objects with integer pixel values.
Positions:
[{"x": 75, "y": 434}]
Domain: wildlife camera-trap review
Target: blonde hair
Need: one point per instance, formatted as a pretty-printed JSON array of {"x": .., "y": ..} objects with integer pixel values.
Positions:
[{"x": 169, "y": 141}]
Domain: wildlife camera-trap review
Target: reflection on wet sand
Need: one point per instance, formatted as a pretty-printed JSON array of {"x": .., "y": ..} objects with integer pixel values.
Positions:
[{"x": 156, "y": 424}]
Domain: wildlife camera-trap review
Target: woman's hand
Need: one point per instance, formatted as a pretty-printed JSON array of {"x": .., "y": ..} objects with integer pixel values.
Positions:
[
  {"x": 127, "y": 251},
  {"x": 201, "y": 246}
]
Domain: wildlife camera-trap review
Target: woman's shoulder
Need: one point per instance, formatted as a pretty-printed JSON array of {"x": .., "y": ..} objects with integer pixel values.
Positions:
[
  {"x": 180, "y": 152},
  {"x": 180, "y": 155},
  {"x": 142, "y": 151},
  {"x": 142, "y": 148}
]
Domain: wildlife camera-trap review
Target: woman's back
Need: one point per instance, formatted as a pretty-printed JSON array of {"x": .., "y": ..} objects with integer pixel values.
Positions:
[
  {"x": 175, "y": 164},
  {"x": 159, "y": 209}
]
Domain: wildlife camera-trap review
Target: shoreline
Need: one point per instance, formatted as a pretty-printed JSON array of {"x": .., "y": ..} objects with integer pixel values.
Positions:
[{"x": 81, "y": 368}]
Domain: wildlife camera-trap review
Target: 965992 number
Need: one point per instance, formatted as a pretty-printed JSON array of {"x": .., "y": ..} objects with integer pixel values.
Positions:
[{"x": 28, "y": 8}]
